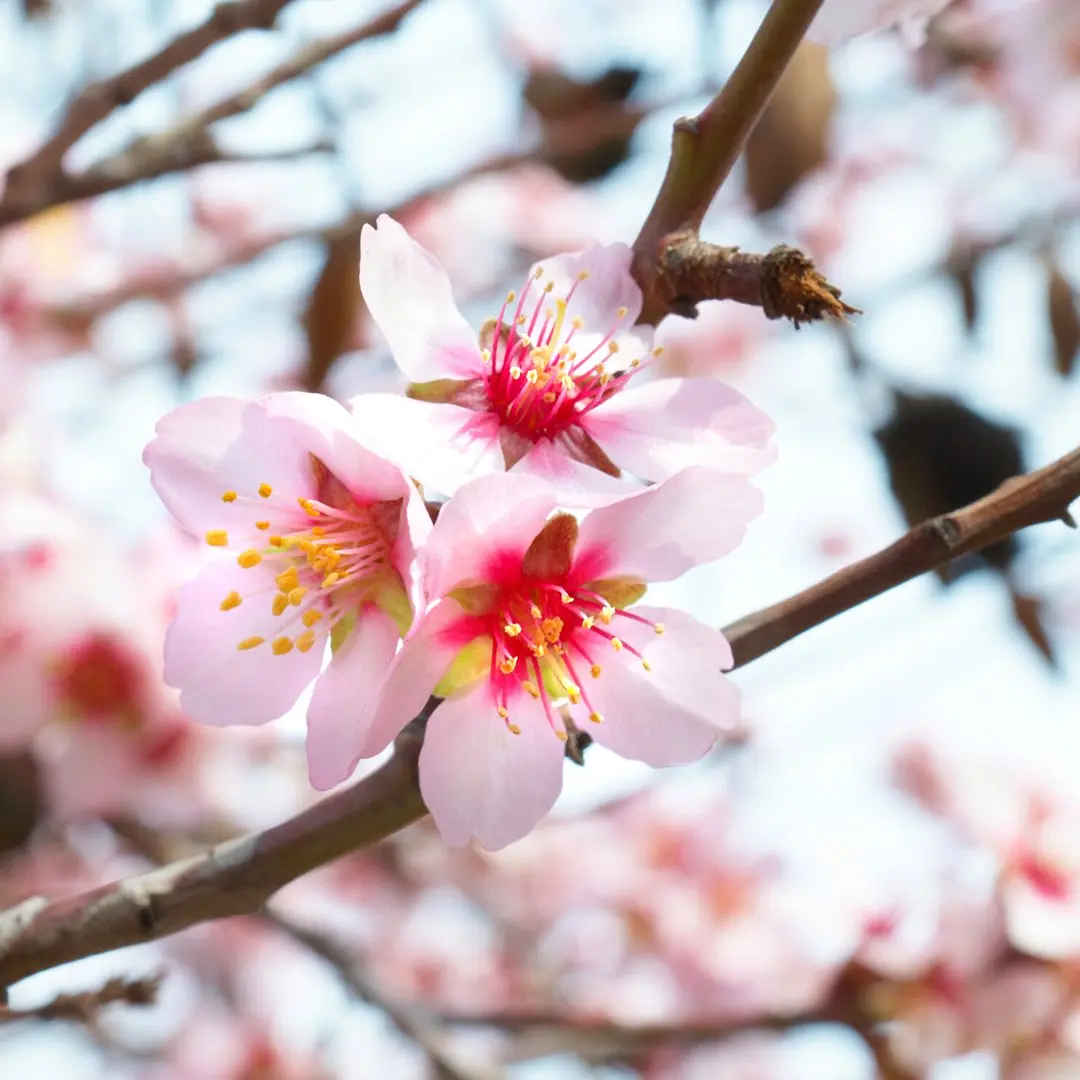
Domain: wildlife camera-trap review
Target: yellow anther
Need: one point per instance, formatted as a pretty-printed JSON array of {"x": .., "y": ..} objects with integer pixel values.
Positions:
[
  {"x": 659, "y": 628},
  {"x": 616, "y": 644},
  {"x": 583, "y": 275},
  {"x": 317, "y": 530},
  {"x": 485, "y": 356},
  {"x": 613, "y": 347},
  {"x": 501, "y": 710},
  {"x": 296, "y": 596},
  {"x": 287, "y": 580},
  {"x": 311, "y": 616},
  {"x": 588, "y": 622},
  {"x": 595, "y": 670},
  {"x": 565, "y": 597},
  {"x": 249, "y": 558},
  {"x": 535, "y": 611},
  {"x": 513, "y": 729},
  {"x": 548, "y": 287},
  {"x": 596, "y": 718},
  {"x": 562, "y": 735},
  {"x": 645, "y": 664},
  {"x": 552, "y": 629},
  {"x": 331, "y": 579},
  {"x": 605, "y": 379},
  {"x": 308, "y": 547},
  {"x": 217, "y": 538},
  {"x": 635, "y": 364},
  {"x": 549, "y": 397},
  {"x": 281, "y": 646},
  {"x": 577, "y": 322},
  {"x": 533, "y": 377},
  {"x": 229, "y": 496},
  {"x": 573, "y": 693},
  {"x": 250, "y": 643},
  {"x": 231, "y": 601},
  {"x": 622, "y": 312},
  {"x": 515, "y": 371},
  {"x": 305, "y": 640},
  {"x": 607, "y": 613},
  {"x": 265, "y": 490},
  {"x": 276, "y": 541},
  {"x": 262, "y": 526},
  {"x": 530, "y": 688},
  {"x": 306, "y": 506},
  {"x": 508, "y": 665},
  {"x": 511, "y": 296},
  {"x": 658, "y": 351},
  {"x": 548, "y": 312},
  {"x": 512, "y": 629},
  {"x": 281, "y": 602},
  {"x": 538, "y": 650}
]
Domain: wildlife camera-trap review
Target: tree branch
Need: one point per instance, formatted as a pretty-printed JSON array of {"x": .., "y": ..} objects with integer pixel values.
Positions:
[
  {"x": 704, "y": 148},
  {"x": 83, "y": 1008},
  {"x": 40, "y": 171},
  {"x": 186, "y": 145},
  {"x": 238, "y": 876}
]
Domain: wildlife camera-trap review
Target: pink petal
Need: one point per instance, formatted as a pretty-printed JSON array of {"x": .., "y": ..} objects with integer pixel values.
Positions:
[
  {"x": 214, "y": 445},
  {"x": 330, "y": 432},
  {"x": 693, "y": 517},
  {"x": 409, "y": 297},
  {"x": 27, "y": 699},
  {"x": 661, "y": 427},
  {"x": 443, "y": 446},
  {"x": 346, "y": 698},
  {"x": 673, "y": 713},
  {"x": 218, "y": 683},
  {"x": 575, "y": 483},
  {"x": 484, "y": 531},
  {"x": 608, "y": 287},
  {"x": 417, "y": 668},
  {"x": 480, "y": 780}
]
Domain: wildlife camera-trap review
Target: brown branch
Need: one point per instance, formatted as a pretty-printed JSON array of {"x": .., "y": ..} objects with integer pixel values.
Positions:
[
  {"x": 238, "y": 876},
  {"x": 83, "y": 1008},
  {"x": 39, "y": 172},
  {"x": 414, "y": 1023},
  {"x": 704, "y": 148},
  {"x": 1038, "y": 497},
  {"x": 187, "y": 144}
]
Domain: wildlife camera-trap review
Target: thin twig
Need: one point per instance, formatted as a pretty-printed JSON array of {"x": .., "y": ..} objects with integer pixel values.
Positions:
[{"x": 82, "y": 1008}]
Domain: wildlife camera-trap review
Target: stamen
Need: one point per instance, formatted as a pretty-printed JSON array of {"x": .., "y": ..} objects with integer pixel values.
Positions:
[
  {"x": 659, "y": 628},
  {"x": 262, "y": 526},
  {"x": 265, "y": 490},
  {"x": 512, "y": 629},
  {"x": 595, "y": 670},
  {"x": 297, "y": 595},
  {"x": 311, "y": 616},
  {"x": 250, "y": 643},
  {"x": 229, "y": 496},
  {"x": 281, "y": 602},
  {"x": 508, "y": 665},
  {"x": 305, "y": 640},
  {"x": 233, "y": 600},
  {"x": 217, "y": 538},
  {"x": 616, "y": 644},
  {"x": 596, "y": 718},
  {"x": 249, "y": 558},
  {"x": 281, "y": 646}
]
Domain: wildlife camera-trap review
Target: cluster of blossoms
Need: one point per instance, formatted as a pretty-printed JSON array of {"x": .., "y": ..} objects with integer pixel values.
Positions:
[{"x": 519, "y": 607}]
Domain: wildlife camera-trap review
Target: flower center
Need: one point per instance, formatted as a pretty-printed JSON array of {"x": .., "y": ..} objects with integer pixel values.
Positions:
[
  {"x": 331, "y": 557},
  {"x": 100, "y": 679},
  {"x": 545, "y": 641},
  {"x": 542, "y": 370}
]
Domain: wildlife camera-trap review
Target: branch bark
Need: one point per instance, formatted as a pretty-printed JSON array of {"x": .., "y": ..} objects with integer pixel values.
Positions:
[
  {"x": 704, "y": 148},
  {"x": 238, "y": 876}
]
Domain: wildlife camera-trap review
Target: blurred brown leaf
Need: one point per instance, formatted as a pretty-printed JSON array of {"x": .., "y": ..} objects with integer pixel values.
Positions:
[
  {"x": 333, "y": 307},
  {"x": 1064, "y": 319},
  {"x": 21, "y": 800},
  {"x": 1028, "y": 613},
  {"x": 791, "y": 138},
  {"x": 942, "y": 455}
]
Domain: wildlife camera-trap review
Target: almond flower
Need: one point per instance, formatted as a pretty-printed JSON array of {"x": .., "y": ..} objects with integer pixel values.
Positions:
[
  {"x": 534, "y": 611},
  {"x": 544, "y": 387},
  {"x": 316, "y": 536},
  {"x": 841, "y": 19}
]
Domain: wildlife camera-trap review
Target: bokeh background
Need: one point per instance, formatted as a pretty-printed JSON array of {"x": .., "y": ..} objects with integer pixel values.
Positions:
[{"x": 883, "y": 875}]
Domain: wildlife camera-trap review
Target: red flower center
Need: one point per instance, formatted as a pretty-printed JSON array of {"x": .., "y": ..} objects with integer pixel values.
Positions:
[{"x": 100, "y": 678}]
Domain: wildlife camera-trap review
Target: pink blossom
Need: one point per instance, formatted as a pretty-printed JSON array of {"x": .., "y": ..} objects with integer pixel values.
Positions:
[
  {"x": 543, "y": 387},
  {"x": 319, "y": 534},
  {"x": 533, "y": 611},
  {"x": 840, "y": 19}
]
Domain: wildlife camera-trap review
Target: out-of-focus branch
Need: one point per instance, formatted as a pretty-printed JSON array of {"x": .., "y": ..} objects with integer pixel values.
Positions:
[
  {"x": 238, "y": 876},
  {"x": 31, "y": 178},
  {"x": 1037, "y": 497},
  {"x": 705, "y": 147},
  {"x": 83, "y": 1008},
  {"x": 188, "y": 144},
  {"x": 414, "y": 1023}
]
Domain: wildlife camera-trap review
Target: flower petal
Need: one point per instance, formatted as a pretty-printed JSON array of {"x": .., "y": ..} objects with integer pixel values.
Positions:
[
  {"x": 409, "y": 297},
  {"x": 479, "y": 779},
  {"x": 661, "y": 427},
  {"x": 483, "y": 532},
  {"x": 673, "y": 713},
  {"x": 608, "y": 287},
  {"x": 219, "y": 683},
  {"x": 575, "y": 483},
  {"x": 329, "y": 431},
  {"x": 443, "y": 446},
  {"x": 693, "y": 517},
  {"x": 346, "y": 698},
  {"x": 418, "y": 666}
]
